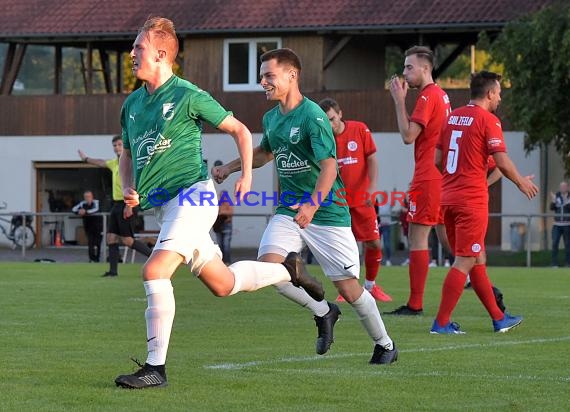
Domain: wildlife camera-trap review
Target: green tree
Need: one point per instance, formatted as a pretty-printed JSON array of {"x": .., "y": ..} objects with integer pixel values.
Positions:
[{"x": 535, "y": 51}]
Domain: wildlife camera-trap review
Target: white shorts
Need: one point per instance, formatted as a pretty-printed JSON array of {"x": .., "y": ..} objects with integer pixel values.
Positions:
[
  {"x": 333, "y": 247},
  {"x": 185, "y": 228}
]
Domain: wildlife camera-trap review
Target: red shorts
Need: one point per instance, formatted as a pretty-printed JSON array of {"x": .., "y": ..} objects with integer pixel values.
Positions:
[
  {"x": 440, "y": 220},
  {"x": 466, "y": 228},
  {"x": 364, "y": 223},
  {"x": 424, "y": 198}
]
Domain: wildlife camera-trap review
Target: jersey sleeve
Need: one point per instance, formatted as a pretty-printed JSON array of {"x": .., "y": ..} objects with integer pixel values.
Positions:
[
  {"x": 423, "y": 109},
  {"x": 124, "y": 135},
  {"x": 322, "y": 138},
  {"x": 494, "y": 135},
  {"x": 367, "y": 140},
  {"x": 264, "y": 144},
  {"x": 204, "y": 107}
]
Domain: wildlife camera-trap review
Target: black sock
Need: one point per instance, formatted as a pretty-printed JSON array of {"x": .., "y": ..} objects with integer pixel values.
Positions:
[
  {"x": 141, "y": 248},
  {"x": 113, "y": 257}
]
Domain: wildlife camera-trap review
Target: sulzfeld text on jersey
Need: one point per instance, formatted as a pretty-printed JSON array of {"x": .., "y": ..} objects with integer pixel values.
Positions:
[{"x": 460, "y": 120}]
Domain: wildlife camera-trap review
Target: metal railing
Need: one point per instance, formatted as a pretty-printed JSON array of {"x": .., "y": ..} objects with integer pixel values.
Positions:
[
  {"x": 62, "y": 215},
  {"x": 528, "y": 240},
  {"x": 528, "y": 220}
]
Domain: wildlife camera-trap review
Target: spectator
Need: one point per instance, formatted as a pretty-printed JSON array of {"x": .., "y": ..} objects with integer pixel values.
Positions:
[
  {"x": 561, "y": 228},
  {"x": 223, "y": 226},
  {"x": 92, "y": 224}
]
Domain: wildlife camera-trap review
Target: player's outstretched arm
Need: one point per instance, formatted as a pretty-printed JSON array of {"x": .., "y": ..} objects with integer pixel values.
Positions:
[
  {"x": 260, "y": 158},
  {"x": 90, "y": 160},
  {"x": 509, "y": 170}
]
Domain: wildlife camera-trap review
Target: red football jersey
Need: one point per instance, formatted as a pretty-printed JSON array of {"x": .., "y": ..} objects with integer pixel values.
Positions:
[
  {"x": 353, "y": 146},
  {"x": 491, "y": 164},
  {"x": 472, "y": 134},
  {"x": 431, "y": 111}
]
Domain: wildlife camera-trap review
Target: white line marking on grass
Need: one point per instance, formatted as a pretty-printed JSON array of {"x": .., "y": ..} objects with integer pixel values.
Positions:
[
  {"x": 398, "y": 374},
  {"x": 242, "y": 365}
]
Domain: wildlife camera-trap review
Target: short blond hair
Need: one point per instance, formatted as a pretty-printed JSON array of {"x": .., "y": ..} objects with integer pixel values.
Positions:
[{"x": 163, "y": 35}]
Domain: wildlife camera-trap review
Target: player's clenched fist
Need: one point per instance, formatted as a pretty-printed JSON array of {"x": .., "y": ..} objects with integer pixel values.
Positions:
[
  {"x": 131, "y": 197},
  {"x": 220, "y": 173}
]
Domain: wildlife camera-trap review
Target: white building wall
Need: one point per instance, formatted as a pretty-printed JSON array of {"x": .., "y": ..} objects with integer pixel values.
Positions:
[
  {"x": 17, "y": 187},
  {"x": 513, "y": 201}
]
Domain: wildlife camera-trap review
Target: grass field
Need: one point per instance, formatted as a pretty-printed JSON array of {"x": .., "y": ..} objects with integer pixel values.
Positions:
[{"x": 66, "y": 333}]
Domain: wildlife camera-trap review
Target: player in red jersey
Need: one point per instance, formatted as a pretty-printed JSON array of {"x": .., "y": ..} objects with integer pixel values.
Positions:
[
  {"x": 356, "y": 157},
  {"x": 421, "y": 128},
  {"x": 473, "y": 133},
  {"x": 493, "y": 176}
]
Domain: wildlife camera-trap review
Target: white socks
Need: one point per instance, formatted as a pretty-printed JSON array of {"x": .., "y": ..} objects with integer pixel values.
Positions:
[
  {"x": 251, "y": 275},
  {"x": 159, "y": 316},
  {"x": 299, "y": 296},
  {"x": 369, "y": 284},
  {"x": 369, "y": 316}
]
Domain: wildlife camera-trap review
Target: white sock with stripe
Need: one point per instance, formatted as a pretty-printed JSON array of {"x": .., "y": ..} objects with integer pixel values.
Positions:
[
  {"x": 369, "y": 316},
  {"x": 302, "y": 298},
  {"x": 159, "y": 317}
]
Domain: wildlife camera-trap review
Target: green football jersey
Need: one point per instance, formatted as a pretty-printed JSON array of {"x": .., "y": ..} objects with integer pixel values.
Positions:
[
  {"x": 299, "y": 140},
  {"x": 163, "y": 131}
]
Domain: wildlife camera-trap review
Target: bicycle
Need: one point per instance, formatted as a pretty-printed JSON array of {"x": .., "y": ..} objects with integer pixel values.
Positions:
[{"x": 19, "y": 233}]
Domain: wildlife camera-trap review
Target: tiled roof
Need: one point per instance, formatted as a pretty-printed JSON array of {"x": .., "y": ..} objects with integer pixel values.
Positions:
[{"x": 108, "y": 18}]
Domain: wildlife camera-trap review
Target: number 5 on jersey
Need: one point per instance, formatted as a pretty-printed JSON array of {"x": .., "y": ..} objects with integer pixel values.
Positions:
[{"x": 453, "y": 153}]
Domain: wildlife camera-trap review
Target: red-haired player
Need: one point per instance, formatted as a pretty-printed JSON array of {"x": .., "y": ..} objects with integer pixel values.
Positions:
[{"x": 358, "y": 167}]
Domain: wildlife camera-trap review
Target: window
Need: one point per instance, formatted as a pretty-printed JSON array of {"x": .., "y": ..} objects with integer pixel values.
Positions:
[{"x": 241, "y": 62}]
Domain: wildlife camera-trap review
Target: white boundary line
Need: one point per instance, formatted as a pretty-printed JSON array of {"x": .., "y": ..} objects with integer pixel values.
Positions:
[
  {"x": 243, "y": 365},
  {"x": 395, "y": 373}
]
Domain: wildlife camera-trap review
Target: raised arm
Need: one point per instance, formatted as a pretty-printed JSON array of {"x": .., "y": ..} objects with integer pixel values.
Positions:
[
  {"x": 408, "y": 130},
  {"x": 90, "y": 160}
]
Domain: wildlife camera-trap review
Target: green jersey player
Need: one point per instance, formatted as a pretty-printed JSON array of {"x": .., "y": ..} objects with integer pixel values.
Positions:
[
  {"x": 161, "y": 166},
  {"x": 298, "y": 136}
]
